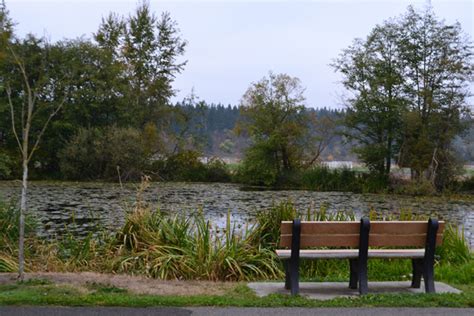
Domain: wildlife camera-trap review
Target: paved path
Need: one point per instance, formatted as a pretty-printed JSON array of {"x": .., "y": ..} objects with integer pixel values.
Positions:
[
  {"x": 331, "y": 290},
  {"x": 230, "y": 311}
]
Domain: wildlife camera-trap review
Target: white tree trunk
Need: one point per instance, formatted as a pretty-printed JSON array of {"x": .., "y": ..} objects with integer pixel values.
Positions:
[{"x": 21, "y": 249}]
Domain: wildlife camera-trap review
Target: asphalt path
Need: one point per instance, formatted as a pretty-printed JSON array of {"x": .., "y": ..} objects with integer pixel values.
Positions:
[{"x": 226, "y": 311}]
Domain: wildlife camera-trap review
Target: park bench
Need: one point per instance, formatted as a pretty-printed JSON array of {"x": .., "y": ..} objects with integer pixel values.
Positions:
[{"x": 415, "y": 240}]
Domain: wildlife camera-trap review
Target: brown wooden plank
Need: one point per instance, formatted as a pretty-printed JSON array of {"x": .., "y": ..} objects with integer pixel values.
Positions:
[
  {"x": 286, "y": 228},
  {"x": 323, "y": 228},
  {"x": 402, "y": 227},
  {"x": 384, "y": 240},
  {"x": 376, "y": 227},
  {"x": 351, "y": 240}
]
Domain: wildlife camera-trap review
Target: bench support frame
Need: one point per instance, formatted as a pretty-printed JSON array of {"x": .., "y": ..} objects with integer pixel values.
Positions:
[
  {"x": 292, "y": 273},
  {"x": 354, "y": 276},
  {"x": 428, "y": 260},
  {"x": 363, "y": 255},
  {"x": 358, "y": 266}
]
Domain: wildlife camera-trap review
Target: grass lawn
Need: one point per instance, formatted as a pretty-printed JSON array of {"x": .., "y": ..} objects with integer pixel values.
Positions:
[{"x": 43, "y": 292}]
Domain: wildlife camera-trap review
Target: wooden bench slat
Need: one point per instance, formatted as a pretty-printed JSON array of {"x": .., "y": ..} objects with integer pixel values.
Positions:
[
  {"x": 343, "y": 240},
  {"x": 352, "y": 240},
  {"x": 376, "y": 227},
  {"x": 418, "y": 240},
  {"x": 352, "y": 253},
  {"x": 401, "y": 228},
  {"x": 321, "y": 228}
]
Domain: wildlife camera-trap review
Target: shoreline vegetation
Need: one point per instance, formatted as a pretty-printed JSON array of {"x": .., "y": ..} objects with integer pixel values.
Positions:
[
  {"x": 154, "y": 245},
  {"x": 319, "y": 178},
  {"x": 184, "y": 247}
]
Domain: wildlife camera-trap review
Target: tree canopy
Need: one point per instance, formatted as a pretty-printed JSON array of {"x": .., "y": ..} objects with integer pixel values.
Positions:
[{"x": 408, "y": 83}]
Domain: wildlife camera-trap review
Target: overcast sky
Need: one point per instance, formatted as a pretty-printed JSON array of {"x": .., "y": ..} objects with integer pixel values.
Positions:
[{"x": 234, "y": 43}]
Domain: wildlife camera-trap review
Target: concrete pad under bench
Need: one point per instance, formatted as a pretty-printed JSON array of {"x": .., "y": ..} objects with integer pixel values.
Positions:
[{"x": 330, "y": 290}]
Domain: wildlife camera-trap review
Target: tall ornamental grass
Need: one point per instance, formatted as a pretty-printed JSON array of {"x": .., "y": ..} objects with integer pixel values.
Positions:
[{"x": 186, "y": 247}]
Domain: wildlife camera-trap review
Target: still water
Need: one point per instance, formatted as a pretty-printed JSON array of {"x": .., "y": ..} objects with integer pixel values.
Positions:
[{"x": 82, "y": 207}]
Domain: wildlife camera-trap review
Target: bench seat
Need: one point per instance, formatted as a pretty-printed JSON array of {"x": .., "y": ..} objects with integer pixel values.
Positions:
[{"x": 352, "y": 253}]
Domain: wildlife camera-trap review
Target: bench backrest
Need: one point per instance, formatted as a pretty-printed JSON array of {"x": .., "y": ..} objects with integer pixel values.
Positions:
[{"x": 346, "y": 234}]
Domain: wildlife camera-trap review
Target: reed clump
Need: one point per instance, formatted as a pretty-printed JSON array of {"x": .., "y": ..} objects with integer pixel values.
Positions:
[{"x": 187, "y": 247}]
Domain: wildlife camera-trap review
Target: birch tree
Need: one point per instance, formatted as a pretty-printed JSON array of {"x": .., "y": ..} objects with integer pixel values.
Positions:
[{"x": 34, "y": 98}]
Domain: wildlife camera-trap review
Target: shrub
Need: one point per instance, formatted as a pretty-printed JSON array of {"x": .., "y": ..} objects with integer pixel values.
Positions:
[
  {"x": 217, "y": 171},
  {"x": 416, "y": 188},
  {"x": 103, "y": 154},
  {"x": 467, "y": 185},
  {"x": 321, "y": 178},
  {"x": 259, "y": 166},
  {"x": 184, "y": 166},
  {"x": 187, "y": 166}
]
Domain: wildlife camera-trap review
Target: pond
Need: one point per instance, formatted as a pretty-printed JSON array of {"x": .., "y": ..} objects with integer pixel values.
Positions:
[{"x": 82, "y": 207}]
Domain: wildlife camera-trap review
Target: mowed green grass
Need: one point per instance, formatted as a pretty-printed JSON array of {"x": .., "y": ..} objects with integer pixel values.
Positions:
[
  {"x": 43, "y": 292},
  {"x": 240, "y": 295}
]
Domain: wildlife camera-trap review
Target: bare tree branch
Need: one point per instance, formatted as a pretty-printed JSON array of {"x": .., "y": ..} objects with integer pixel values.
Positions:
[
  {"x": 12, "y": 112},
  {"x": 35, "y": 146},
  {"x": 23, "y": 73}
]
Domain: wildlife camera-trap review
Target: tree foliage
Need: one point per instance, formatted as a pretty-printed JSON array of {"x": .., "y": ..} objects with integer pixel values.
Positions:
[
  {"x": 123, "y": 78},
  {"x": 408, "y": 83},
  {"x": 113, "y": 153},
  {"x": 274, "y": 116}
]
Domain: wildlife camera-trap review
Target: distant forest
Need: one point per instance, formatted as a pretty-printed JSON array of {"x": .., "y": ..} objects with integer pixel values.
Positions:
[{"x": 211, "y": 128}]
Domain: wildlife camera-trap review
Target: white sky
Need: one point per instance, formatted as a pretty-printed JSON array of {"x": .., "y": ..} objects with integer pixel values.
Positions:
[{"x": 234, "y": 43}]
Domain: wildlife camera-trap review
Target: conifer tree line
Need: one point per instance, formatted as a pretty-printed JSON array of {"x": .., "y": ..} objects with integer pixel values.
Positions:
[{"x": 407, "y": 87}]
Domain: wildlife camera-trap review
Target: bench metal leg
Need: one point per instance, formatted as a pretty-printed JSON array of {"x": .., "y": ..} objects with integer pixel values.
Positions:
[
  {"x": 287, "y": 274},
  {"x": 294, "y": 277},
  {"x": 354, "y": 277},
  {"x": 428, "y": 276},
  {"x": 417, "y": 265},
  {"x": 428, "y": 260},
  {"x": 363, "y": 281},
  {"x": 294, "y": 261}
]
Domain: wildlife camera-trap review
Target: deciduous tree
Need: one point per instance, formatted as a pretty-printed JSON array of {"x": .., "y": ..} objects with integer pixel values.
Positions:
[{"x": 34, "y": 98}]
